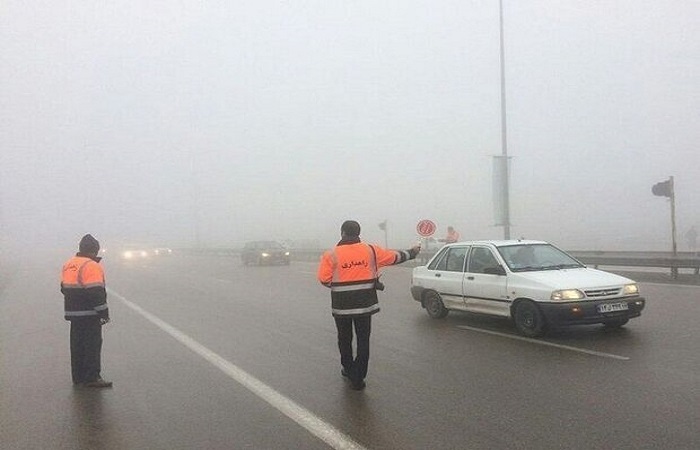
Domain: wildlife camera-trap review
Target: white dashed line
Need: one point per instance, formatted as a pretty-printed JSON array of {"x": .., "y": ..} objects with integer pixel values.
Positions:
[{"x": 549, "y": 344}]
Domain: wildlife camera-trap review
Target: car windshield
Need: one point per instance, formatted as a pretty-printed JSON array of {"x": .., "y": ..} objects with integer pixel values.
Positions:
[
  {"x": 267, "y": 245},
  {"x": 532, "y": 257}
]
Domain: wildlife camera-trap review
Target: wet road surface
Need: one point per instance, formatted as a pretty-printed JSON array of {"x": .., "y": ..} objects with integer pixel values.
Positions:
[{"x": 206, "y": 353}]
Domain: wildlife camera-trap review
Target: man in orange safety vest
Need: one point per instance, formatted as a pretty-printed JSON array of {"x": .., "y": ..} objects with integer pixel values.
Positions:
[
  {"x": 452, "y": 236},
  {"x": 350, "y": 271},
  {"x": 85, "y": 306}
]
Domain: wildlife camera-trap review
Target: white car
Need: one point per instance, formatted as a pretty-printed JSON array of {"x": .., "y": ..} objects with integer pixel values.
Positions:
[{"x": 533, "y": 282}]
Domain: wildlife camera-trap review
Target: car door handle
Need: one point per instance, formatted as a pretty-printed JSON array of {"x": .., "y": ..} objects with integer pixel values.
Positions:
[{"x": 470, "y": 278}]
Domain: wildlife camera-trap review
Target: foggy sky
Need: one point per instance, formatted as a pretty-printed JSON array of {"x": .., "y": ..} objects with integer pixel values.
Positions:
[{"x": 164, "y": 121}]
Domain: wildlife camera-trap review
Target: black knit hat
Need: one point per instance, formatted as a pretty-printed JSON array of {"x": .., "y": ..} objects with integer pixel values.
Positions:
[
  {"x": 89, "y": 245},
  {"x": 350, "y": 228}
]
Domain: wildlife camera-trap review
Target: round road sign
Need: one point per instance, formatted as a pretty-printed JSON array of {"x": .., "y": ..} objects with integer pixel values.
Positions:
[{"x": 426, "y": 228}]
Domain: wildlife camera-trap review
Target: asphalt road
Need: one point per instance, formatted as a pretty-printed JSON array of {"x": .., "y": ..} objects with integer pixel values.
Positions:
[{"x": 208, "y": 354}]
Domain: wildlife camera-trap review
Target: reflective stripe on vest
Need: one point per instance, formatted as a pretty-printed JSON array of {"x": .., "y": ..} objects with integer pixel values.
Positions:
[
  {"x": 356, "y": 311},
  {"x": 352, "y": 287},
  {"x": 90, "y": 312}
]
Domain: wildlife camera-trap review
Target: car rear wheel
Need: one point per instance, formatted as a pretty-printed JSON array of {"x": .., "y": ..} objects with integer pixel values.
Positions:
[
  {"x": 615, "y": 323},
  {"x": 529, "y": 319},
  {"x": 434, "y": 306}
]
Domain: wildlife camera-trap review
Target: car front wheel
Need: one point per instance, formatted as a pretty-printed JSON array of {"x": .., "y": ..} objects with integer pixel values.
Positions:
[
  {"x": 529, "y": 319},
  {"x": 434, "y": 306}
]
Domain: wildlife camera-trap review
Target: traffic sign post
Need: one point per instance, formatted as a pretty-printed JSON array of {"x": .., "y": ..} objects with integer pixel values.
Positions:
[
  {"x": 667, "y": 189},
  {"x": 426, "y": 228}
]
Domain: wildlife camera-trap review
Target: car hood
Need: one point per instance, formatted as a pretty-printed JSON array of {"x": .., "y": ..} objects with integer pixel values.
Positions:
[{"x": 580, "y": 278}]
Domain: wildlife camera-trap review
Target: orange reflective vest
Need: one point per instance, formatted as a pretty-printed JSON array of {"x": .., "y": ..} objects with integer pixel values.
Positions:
[
  {"x": 452, "y": 237},
  {"x": 83, "y": 288},
  {"x": 350, "y": 270}
]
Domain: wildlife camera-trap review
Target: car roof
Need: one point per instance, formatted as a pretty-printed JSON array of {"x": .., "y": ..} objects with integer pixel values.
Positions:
[
  {"x": 258, "y": 243},
  {"x": 500, "y": 242}
]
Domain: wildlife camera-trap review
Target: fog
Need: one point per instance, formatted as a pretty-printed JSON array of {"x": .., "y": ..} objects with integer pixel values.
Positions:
[{"x": 214, "y": 122}]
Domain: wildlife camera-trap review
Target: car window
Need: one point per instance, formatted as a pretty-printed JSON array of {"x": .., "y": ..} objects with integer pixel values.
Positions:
[
  {"x": 453, "y": 260},
  {"x": 528, "y": 257},
  {"x": 263, "y": 245},
  {"x": 437, "y": 260},
  {"x": 482, "y": 259}
]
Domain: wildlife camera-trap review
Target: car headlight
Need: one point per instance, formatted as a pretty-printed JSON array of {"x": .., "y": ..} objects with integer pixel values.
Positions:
[
  {"x": 567, "y": 294},
  {"x": 127, "y": 255},
  {"x": 630, "y": 289},
  {"x": 286, "y": 253},
  {"x": 264, "y": 255}
]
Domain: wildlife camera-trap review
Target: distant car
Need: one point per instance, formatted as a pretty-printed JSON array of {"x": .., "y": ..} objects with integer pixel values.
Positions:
[
  {"x": 134, "y": 253},
  {"x": 534, "y": 283},
  {"x": 265, "y": 252},
  {"x": 162, "y": 251}
]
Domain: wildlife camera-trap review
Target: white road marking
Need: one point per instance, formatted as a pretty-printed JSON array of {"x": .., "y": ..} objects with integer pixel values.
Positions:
[
  {"x": 314, "y": 424},
  {"x": 550, "y": 344}
]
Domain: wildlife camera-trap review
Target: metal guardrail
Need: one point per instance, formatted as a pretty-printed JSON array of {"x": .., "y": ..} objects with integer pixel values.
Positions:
[
  {"x": 664, "y": 260},
  {"x": 670, "y": 262},
  {"x": 210, "y": 251},
  {"x": 674, "y": 263}
]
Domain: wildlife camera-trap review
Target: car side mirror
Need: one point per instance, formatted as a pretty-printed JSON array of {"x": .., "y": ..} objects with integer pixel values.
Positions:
[{"x": 497, "y": 270}]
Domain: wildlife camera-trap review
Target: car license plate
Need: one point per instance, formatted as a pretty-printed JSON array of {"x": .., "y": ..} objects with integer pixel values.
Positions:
[{"x": 612, "y": 307}]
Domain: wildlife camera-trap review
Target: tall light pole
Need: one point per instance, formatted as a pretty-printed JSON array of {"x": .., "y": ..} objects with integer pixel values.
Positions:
[
  {"x": 195, "y": 202},
  {"x": 504, "y": 134}
]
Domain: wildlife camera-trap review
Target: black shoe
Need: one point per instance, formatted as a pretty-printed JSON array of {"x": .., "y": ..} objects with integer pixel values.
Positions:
[
  {"x": 358, "y": 385},
  {"x": 98, "y": 383},
  {"x": 344, "y": 373}
]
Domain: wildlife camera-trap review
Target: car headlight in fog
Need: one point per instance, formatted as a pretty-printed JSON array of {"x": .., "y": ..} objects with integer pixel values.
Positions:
[
  {"x": 286, "y": 253},
  {"x": 264, "y": 255},
  {"x": 630, "y": 289},
  {"x": 132, "y": 254},
  {"x": 567, "y": 294}
]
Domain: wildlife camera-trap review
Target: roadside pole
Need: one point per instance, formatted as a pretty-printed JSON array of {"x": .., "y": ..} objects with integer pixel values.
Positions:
[
  {"x": 674, "y": 270},
  {"x": 666, "y": 189},
  {"x": 383, "y": 227}
]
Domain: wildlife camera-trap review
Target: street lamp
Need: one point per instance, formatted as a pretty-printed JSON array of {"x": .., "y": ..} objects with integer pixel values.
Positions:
[{"x": 504, "y": 135}]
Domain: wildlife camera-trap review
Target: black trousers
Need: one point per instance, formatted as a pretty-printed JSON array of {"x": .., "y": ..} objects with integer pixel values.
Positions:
[
  {"x": 85, "y": 349},
  {"x": 356, "y": 366}
]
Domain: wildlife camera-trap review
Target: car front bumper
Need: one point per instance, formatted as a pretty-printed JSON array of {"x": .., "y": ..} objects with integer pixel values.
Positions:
[{"x": 588, "y": 312}]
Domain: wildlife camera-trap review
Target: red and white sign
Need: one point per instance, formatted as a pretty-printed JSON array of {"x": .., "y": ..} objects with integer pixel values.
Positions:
[{"x": 426, "y": 227}]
